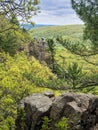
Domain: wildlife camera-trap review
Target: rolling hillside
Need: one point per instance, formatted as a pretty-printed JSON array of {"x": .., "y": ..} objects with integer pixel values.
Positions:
[
  {"x": 73, "y": 32},
  {"x": 54, "y": 31},
  {"x": 30, "y": 26}
]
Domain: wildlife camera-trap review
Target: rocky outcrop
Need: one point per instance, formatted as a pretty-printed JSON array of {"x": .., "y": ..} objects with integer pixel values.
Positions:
[
  {"x": 89, "y": 118},
  {"x": 72, "y": 106},
  {"x": 35, "y": 106},
  {"x": 78, "y": 108}
]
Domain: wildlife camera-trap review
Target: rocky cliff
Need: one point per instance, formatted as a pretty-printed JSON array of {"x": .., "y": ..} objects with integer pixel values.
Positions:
[{"x": 80, "y": 109}]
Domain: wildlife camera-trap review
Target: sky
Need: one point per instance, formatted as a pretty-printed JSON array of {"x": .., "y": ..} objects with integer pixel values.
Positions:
[{"x": 56, "y": 12}]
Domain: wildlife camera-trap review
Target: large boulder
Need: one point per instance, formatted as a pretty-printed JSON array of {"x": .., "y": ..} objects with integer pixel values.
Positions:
[
  {"x": 71, "y": 106},
  {"x": 89, "y": 118},
  {"x": 35, "y": 107},
  {"x": 76, "y": 107}
]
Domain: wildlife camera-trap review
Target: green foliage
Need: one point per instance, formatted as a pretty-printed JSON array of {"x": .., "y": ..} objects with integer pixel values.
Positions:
[
  {"x": 74, "y": 75},
  {"x": 65, "y": 48},
  {"x": 90, "y": 83},
  {"x": 11, "y": 36},
  {"x": 51, "y": 47},
  {"x": 76, "y": 46},
  {"x": 10, "y": 123},
  {"x": 21, "y": 8},
  {"x": 62, "y": 124},
  {"x": 22, "y": 116},
  {"x": 46, "y": 122},
  {"x": 14, "y": 20},
  {"x": 88, "y": 12},
  {"x": 75, "y": 31},
  {"x": 8, "y": 42},
  {"x": 14, "y": 85}
]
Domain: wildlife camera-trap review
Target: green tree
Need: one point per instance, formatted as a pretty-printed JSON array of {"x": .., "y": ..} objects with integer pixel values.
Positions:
[
  {"x": 24, "y": 9},
  {"x": 12, "y": 12},
  {"x": 51, "y": 47},
  {"x": 88, "y": 12},
  {"x": 11, "y": 35},
  {"x": 8, "y": 42},
  {"x": 74, "y": 75}
]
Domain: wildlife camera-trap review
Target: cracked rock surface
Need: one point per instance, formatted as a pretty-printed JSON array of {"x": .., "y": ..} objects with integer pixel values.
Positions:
[{"x": 80, "y": 109}]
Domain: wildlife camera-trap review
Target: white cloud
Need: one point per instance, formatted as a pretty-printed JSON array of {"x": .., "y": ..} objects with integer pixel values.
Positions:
[{"x": 58, "y": 12}]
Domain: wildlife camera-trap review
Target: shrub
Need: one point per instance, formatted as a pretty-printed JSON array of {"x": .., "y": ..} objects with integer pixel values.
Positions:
[
  {"x": 62, "y": 124},
  {"x": 46, "y": 122},
  {"x": 15, "y": 84}
]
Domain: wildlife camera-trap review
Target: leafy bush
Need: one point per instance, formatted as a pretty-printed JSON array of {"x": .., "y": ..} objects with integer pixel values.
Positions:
[
  {"x": 46, "y": 122},
  {"x": 62, "y": 124},
  {"x": 14, "y": 85}
]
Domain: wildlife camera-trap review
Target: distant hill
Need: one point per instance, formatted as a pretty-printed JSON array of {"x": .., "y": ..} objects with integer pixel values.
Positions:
[
  {"x": 30, "y": 26},
  {"x": 54, "y": 31}
]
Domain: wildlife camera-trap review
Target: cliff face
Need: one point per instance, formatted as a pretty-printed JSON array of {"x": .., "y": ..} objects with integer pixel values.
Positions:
[{"x": 80, "y": 109}]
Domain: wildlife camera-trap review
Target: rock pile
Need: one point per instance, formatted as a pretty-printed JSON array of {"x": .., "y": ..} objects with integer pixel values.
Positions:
[{"x": 80, "y": 109}]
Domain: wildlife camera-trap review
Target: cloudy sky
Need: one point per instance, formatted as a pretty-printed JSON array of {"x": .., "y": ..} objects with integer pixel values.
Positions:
[{"x": 56, "y": 12}]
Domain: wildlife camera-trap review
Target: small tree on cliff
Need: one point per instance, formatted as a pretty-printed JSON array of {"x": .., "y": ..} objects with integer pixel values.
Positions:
[{"x": 51, "y": 47}]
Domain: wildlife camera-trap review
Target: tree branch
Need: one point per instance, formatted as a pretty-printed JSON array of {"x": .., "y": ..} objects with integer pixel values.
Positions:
[
  {"x": 85, "y": 58},
  {"x": 88, "y": 84},
  {"x": 10, "y": 28}
]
